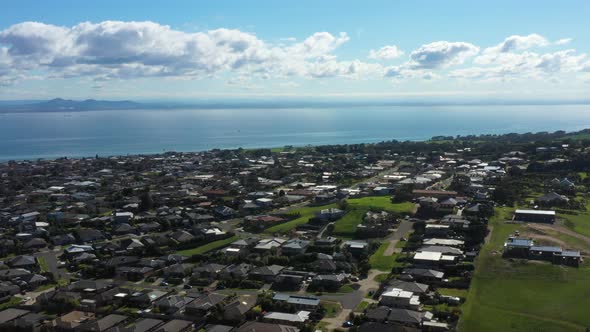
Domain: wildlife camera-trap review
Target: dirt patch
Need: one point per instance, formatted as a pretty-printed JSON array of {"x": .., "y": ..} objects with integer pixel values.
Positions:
[
  {"x": 545, "y": 239},
  {"x": 561, "y": 229},
  {"x": 545, "y": 233}
]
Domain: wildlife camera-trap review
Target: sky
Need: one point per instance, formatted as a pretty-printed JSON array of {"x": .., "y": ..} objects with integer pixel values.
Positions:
[{"x": 341, "y": 50}]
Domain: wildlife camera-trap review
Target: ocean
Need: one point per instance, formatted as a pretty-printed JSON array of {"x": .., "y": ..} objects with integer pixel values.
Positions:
[{"x": 106, "y": 133}]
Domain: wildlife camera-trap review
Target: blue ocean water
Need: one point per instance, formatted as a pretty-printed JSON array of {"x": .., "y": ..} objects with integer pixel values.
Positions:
[{"x": 78, "y": 134}]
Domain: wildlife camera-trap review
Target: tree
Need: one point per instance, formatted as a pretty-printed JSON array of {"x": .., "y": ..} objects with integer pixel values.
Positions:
[
  {"x": 343, "y": 204},
  {"x": 403, "y": 193},
  {"x": 146, "y": 202},
  {"x": 460, "y": 183}
]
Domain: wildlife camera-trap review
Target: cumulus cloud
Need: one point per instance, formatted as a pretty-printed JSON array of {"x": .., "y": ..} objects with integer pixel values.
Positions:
[
  {"x": 504, "y": 50},
  {"x": 442, "y": 54},
  {"x": 516, "y": 43},
  {"x": 128, "y": 50},
  {"x": 525, "y": 65},
  {"x": 386, "y": 53},
  {"x": 514, "y": 58},
  {"x": 125, "y": 50}
]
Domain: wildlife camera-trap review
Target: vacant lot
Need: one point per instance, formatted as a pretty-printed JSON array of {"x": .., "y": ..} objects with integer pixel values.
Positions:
[
  {"x": 305, "y": 214},
  {"x": 384, "y": 263},
  {"x": 357, "y": 207},
  {"x": 344, "y": 227},
  {"x": 522, "y": 295},
  {"x": 208, "y": 247},
  {"x": 383, "y": 203}
]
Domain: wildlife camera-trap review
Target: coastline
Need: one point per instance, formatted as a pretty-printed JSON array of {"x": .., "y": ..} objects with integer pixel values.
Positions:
[{"x": 277, "y": 149}]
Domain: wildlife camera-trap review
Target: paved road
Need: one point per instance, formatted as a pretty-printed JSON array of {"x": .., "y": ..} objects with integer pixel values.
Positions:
[
  {"x": 350, "y": 301},
  {"x": 404, "y": 228},
  {"x": 321, "y": 233},
  {"x": 50, "y": 257}
]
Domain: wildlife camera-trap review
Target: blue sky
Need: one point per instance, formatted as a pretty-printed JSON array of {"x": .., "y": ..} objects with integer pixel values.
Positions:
[{"x": 299, "y": 49}]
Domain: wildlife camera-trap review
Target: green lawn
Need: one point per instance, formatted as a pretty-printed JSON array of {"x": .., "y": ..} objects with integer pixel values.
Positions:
[
  {"x": 583, "y": 175},
  {"x": 345, "y": 227},
  {"x": 381, "y": 277},
  {"x": 43, "y": 266},
  {"x": 305, "y": 214},
  {"x": 362, "y": 306},
  {"x": 384, "y": 263},
  {"x": 346, "y": 289},
  {"x": 524, "y": 296},
  {"x": 453, "y": 292},
  {"x": 579, "y": 223},
  {"x": 382, "y": 202},
  {"x": 332, "y": 308},
  {"x": 208, "y": 247},
  {"x": 12, "y": 301}
]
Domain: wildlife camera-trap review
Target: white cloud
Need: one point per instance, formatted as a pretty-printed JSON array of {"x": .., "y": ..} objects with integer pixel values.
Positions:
[
  {"x": 441, "y": 54},
  {"x": 504, "y": 50},
  {"x": 112, "y": 50},
  {"x": 516, "y": 43},
  {"x": 124, "y": 50},
  {"x": 563, "y": 41},
  {"x": 386, "y": 53},
  {"x": 525, "y": 65}
]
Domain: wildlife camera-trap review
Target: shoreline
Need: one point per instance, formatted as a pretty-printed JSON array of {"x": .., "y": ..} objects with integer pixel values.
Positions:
[{"x": 438, "y": 139}]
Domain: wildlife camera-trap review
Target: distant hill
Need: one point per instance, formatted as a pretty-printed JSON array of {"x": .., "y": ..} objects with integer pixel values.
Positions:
[{"x": 59, "y": 104}]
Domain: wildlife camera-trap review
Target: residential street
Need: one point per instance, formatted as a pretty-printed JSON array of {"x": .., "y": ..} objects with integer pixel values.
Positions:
[{"x": 404, "y": 228}]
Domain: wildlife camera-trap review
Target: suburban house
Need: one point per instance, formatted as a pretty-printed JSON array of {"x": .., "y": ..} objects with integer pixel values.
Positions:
[
  {"x": 308, "y": 303},
  {"x": 294, "y": 247},
  {"x": 526, "y": 248},
  {"x": 544, "y": 216},
  {"x": 265, "y": 273},
  {"x": 299, "y": 318},
  {"x": 203, "y": 302},
  {"x": 235, "y": 310},
  {"x": 265, "y": 327},
  {"x": 552, "y": 199},
  {"x": 398, "y": 298},
  {"x": 330, "y": 214},
  {"x": 422, "y": 275}
]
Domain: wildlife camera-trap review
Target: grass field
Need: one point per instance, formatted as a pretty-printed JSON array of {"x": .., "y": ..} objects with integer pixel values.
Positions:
[
  {"x": 305, "y": 213},
  {"x": 208, "y": 247},
  {"x": 384, "y": 263},
  {"x": 523, "y": 295},
  {"x": 579, "y": 223},
  {"x": 345, "y": 227},
  {"x": 381, "y": 202}
]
